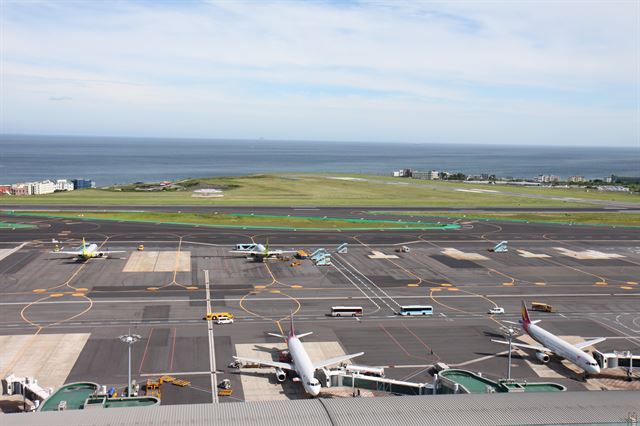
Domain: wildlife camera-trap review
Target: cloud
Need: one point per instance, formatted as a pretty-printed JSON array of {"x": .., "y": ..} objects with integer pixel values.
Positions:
[
  {"x": 200, "y": 67},
  {"x": 60, "y": 98}
]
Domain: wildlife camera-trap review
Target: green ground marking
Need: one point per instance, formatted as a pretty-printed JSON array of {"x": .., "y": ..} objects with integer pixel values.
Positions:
[
  {"x": 245, "y": 221},
  {"x": 9, "y": 225},
  {"x": 627, "y": 220}
]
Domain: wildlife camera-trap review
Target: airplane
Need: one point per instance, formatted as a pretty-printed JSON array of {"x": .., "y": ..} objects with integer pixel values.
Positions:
[
  {"x": 87, "y": 251},
  {"x": 300, "y": 362},
  {"x": 259, "y": 251},
  {"x": 552, "y": 344}
]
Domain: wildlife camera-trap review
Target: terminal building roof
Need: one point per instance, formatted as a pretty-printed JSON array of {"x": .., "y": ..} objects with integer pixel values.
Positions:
[{"x": 612, "y": 407}]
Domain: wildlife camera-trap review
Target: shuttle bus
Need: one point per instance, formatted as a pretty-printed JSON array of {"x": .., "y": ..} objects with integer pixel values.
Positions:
[
  {"x": 346, "y": 311},
  {"x": 416, "y": 310}
]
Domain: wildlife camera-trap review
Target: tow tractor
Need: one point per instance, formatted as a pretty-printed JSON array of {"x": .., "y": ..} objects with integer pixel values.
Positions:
[{"x": 224, "y": 388}]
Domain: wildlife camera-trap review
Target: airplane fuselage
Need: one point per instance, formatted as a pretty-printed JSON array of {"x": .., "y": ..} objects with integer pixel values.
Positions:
[
  {"x": 89, "y": 251},
  {"x": 303, "y": 366},
  {"x": 562, "y": 348}
]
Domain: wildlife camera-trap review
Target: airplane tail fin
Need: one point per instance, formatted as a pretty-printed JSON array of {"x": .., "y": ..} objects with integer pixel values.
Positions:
[
  {"x": 292, "y": 331},
  {"x": 525, "y": 314}
]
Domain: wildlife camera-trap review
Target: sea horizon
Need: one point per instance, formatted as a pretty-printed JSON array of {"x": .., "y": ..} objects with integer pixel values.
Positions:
[{"x": 111, "y": 160}]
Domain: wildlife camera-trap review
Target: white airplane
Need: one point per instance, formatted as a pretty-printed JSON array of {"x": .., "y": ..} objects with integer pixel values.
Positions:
[
  {"x": 259, "y": 251},
  {"x": 552, "y": 344},
  {"x": 87, "y": 251},
  {"x": 300, "y": 362}
]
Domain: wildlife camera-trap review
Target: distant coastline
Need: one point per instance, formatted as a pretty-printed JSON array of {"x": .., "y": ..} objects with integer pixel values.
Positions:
[{"x": 124, "y": 160}]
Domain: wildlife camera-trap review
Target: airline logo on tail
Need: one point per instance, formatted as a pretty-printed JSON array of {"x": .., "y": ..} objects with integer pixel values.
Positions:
[
  {"x": 292, "y": 331},
  {"x": 84, "y": 248},
  {"x": 525, "y": 321}
]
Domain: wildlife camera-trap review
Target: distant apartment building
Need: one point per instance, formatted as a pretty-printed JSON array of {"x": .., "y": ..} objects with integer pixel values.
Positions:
[
  {"x": 83, "y": 183},
  {"x": 64, "y": 185},
  {"x": 44, "y": 187},
  {"x": 20, "y": 189},
  {"x": 548, "y": 178},
  {"x": 576, "y": 179}
]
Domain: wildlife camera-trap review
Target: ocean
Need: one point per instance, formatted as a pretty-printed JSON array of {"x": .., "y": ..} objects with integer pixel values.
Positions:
[{"x": 123, "y": 160}]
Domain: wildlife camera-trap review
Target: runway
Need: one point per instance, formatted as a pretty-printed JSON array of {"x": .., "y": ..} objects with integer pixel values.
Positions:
[{"x": 43, "y": 293}]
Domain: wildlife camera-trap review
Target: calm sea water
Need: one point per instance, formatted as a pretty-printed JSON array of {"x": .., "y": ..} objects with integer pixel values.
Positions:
[{"x": 122, "y": 160}]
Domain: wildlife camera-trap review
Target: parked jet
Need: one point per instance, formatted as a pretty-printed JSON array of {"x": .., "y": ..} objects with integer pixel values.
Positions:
[
  {"x": 552, "y": 344},
  {"x": 87, "y": 251},
  {"x": 259, "y": 251},
  {"x": 300, "y": 362}
]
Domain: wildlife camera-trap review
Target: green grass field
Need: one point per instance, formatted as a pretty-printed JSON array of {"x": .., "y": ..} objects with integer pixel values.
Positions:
[
  {"x": 323, "y": 190},
  {"x": 604, "y": 218},
  {"x": 244, "y": 221}
]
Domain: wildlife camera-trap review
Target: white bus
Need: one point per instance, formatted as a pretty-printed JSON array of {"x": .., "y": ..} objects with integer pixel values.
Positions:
[
  {"x": 346, "y": 311},
  {"x": 416, "y": 310}
]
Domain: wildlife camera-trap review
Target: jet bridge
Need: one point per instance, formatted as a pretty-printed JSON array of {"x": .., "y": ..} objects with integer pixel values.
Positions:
[
  {"x": 616, "y": 359},
  {"x": 354, "y": 380}
]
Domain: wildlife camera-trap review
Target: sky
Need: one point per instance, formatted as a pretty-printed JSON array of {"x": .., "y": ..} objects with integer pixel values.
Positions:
[{"x": 505, "y": 72}]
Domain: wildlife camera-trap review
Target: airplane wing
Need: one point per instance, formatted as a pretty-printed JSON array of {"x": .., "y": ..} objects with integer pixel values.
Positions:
[
  {"x": 75, "y": 253},
  {"x": 276, "y": 252},
  {"x": 522, "y": 345},
  {"x": 583, "y": 345},
  {"x": 274, "y": 364},
  {"x": 335, "y": 360},
  {"x": 109, "y": 252}
]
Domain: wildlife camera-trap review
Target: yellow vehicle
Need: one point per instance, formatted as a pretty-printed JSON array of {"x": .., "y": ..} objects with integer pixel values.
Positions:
[
  {"x": 141, "y": 247},
  {"x": 212, "y": 316},
  {"x": 541, "y": 307}
]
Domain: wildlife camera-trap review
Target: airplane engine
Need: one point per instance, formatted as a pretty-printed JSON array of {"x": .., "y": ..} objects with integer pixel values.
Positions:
[
  {"x": 100, "y": 254},
  {"x": 542, "y": 357},
  {"x": 281, "y": 376}
]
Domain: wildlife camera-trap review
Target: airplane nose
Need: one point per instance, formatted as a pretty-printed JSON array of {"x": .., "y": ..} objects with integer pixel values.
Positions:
[
  {"x": 595, "y": 369},
  {"x": 315, "y": 390}
]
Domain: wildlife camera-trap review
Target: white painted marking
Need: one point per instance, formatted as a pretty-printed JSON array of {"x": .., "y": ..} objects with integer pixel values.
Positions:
[
  {"x": 587, "y": 254},
  {"x": 212, "y": 352},
  {"x": 525, "y": 253},
  {"x": 461, "y": 255}
]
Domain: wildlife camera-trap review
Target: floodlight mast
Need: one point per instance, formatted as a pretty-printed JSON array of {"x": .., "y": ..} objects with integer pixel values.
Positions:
[
  {"x": 129, "y": 339},
  {"x": 510, "y": 333}
]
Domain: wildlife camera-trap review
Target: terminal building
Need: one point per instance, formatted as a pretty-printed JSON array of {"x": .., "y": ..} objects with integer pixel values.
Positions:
[
  {"x": 538, "y": 408},
  {"x": 430, "y": 175}
]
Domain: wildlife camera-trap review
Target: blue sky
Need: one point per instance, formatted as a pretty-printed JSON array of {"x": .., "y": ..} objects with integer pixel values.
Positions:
[{"x": 544, "y": 72}]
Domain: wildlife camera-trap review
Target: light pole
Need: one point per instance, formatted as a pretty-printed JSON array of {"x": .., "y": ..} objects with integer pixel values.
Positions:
[
  {"x": 509, "y": 332},
  {"x": 129, "y": 339}
]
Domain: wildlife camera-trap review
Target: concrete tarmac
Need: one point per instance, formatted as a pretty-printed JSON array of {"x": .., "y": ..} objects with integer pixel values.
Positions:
[{"x": 44, "y": 293}]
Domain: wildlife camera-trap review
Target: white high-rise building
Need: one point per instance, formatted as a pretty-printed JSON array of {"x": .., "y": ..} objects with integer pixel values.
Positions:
[
  {"x": 64, "y": 185},
  {"x": 44, "y": 187},
  {"x": 434, "y": 175}
]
